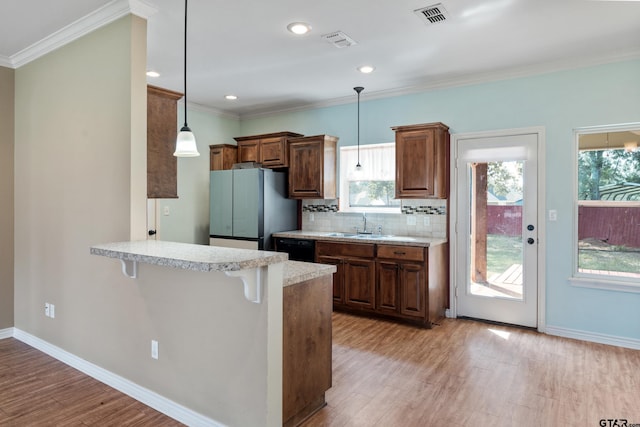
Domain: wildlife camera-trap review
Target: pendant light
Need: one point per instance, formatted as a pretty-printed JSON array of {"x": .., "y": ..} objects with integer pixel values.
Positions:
[
  {"x": 358, "y": 89},
  {"x": 186, "y": 141}
]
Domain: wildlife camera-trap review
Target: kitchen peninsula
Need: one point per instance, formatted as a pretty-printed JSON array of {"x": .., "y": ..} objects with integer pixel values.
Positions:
[{"x": 254, "y": 302}]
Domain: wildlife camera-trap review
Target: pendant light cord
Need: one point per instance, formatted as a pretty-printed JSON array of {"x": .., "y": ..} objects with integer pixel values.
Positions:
[
  {"x": 358, "y": 89},
  {"x": 185, "y": 64}
]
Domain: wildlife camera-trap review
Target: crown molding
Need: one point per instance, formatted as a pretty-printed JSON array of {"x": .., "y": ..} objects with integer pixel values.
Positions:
[
  {"x": 210, "y": 110},
  {"x": 5, "y": 61},
  {"x": 100, "y": 17}
]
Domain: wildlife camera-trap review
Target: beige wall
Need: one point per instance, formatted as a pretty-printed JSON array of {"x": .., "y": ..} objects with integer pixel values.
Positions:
[
  {"x": 6, "y": 196},
  {"x": 79, "y": 163}
]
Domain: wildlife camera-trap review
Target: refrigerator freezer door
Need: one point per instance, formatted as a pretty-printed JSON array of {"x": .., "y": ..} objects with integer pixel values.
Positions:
[
  {"x": 221, "y": 211},
  {"x": 247, "y": 202}
]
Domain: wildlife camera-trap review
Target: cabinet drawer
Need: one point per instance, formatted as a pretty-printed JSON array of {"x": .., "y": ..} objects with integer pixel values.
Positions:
[
  {"x": 361, "y": 250},
  {"x": 403, "y": 253}
]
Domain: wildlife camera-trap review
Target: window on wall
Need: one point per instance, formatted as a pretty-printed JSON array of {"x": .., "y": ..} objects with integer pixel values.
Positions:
[
  {"x": 608, "y": 205},
  {"x": 372, "y": 188}
]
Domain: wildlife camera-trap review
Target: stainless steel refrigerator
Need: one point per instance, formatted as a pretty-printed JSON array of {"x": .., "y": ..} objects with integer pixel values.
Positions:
[{"x": 247, "y": 206}]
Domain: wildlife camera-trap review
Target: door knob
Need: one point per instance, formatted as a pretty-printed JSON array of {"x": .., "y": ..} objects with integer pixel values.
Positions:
[
  {"x": 152, "y": 232},
  {"x": 530, "y": 241}
]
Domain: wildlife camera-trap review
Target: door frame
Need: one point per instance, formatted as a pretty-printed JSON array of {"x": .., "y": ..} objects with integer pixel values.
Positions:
[{"x": 541, "y": 217}]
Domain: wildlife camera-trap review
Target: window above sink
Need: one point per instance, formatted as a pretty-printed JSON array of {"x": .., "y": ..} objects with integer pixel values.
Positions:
[{"x": 372, "y": 188}]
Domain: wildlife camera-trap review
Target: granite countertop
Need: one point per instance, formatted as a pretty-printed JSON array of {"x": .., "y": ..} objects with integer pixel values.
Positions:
[
  {"x": 296, "y": 271},
  {"x": 374, "y": 238},
  {"x": 188, "y": 256}
]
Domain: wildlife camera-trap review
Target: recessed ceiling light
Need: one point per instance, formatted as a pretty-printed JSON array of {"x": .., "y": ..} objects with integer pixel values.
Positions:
[
  {"x": 230, "y": 97},
  {"x": 153, "y": 74},
  {"x": 366, "y": 69},
  {"x": 299, "y": 28}
]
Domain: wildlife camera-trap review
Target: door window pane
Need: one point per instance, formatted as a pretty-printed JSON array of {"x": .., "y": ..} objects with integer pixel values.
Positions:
[{"x": 496, "y": 229}]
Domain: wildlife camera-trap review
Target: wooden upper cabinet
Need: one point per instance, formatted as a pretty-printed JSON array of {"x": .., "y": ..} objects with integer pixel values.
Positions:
[
  {"x": 248, "y": 150},
  {"x": 271, "y": 149},
  {"x": 422, "y": 161},
  {"x": 222, "y": 156},
  {"x": 312, "y": 167},
  {"x": 162, "y": 130}
]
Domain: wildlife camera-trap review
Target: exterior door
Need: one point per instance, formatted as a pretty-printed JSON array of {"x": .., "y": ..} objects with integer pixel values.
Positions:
[{"x": 497, "y": 229}]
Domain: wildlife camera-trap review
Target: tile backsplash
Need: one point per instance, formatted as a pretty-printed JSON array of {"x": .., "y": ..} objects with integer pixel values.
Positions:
[{"x": 424, "y": 218}]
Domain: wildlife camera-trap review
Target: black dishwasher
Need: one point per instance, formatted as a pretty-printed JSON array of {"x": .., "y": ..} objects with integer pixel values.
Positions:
[{"x": 298, "y": 249}]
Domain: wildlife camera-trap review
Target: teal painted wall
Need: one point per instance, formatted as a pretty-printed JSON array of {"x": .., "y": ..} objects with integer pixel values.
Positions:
[
  {"x": 188, "y": 221},
  {"x": 560, "y": 102}
]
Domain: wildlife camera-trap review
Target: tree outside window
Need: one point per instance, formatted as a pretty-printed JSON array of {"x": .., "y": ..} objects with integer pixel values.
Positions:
[{"x": 609, "y": 205}]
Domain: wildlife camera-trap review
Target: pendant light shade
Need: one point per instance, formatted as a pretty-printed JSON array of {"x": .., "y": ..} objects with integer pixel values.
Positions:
[
  {"x": 186, "y": 144},
  {"x": 358, "y": 89},
  {"x": 186, "y": 141}
]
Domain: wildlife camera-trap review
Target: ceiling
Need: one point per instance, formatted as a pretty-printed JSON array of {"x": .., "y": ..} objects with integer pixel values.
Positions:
[{"x": 243, "y": 47}]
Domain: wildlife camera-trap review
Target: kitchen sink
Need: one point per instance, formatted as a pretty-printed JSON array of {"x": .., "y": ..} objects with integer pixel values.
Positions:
[{"x": 370, "y": 236}]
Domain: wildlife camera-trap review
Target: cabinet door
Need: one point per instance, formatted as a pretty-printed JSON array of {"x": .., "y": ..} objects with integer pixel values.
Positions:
[
  {"x": 413, "y": 286},
  {"x": 306, "y": 170},
  {"x": 338, "y": 283},
  {"x": 273, "y": 152},
  {"x": 162, "y": 128},
  {"x": 222, "y": 157},
  {"x": 415, "y": 163},
  {"x": 249, "y": 151},
  {"x": 388, "y": 287},
  {"x": 359, "y": 283}
]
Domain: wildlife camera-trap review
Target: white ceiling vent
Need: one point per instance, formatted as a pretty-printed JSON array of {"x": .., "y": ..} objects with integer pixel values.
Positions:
[
  {"x": 432, "y": 14},
  {"x": 339, "y": 39}
]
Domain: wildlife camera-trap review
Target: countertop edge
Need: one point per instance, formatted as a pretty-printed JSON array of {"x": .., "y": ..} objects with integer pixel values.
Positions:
[
  {"x": 188, "y": 256},
  {"x": 296, "y": 272},
  {"x": 398, "y": 240}
]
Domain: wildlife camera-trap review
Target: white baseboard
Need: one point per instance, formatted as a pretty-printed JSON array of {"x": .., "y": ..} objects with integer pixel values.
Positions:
[
  {"x": 141, "y": 394},
  {"x": 593, "y": 337},
  {"x": 6, "y": 333}
]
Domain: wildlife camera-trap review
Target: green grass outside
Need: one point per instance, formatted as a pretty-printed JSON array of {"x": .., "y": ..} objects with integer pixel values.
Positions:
[
  {"x": 503, "y": 251},
  {"x": 624, "y": 261}
]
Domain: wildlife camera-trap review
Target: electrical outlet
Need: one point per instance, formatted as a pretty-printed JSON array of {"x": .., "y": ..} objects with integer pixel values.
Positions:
[
  {"x": 47, "y": 309},
  {"x": 154, "y": 349},
  {"x": 427, "y": 220},
  {"x": 553, "y": 215},
  {"x": 311, "y": 217},
  {"x": 411, "y": 220},
  {"x": 52, "y": 311},
  {"x": 167, "y": 211}
]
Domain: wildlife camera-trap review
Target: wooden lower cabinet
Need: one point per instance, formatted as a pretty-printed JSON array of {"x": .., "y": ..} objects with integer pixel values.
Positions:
[
  {"x": 306, "y": 348},
  {"x": 402, "y": 282},
  {"x": 359, "y": 283},
  {"x": 388, "y": 287},
  {"x": 338, "y": 281},
  {"x": 413, "y": 286},
  {"x": 354, "y": 281}
]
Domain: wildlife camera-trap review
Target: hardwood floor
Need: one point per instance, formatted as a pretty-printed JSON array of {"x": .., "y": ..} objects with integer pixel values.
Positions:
[
  {"x": 469, "y": 373},
  {"x": 462, "y": 373},
  {"x": 37, "y": 390}
]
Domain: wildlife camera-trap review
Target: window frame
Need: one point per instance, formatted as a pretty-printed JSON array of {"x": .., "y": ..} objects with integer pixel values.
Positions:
[
  {"x": 344, "y": 185},
  {"x": 592, "y": 280}
]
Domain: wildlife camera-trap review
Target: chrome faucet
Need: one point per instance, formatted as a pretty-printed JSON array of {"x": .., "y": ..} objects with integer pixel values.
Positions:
[{"x": 364, "y": 220}]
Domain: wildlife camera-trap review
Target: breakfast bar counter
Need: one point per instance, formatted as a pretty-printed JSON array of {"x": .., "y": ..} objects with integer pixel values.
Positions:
[{"x": 262, "y": 368}]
